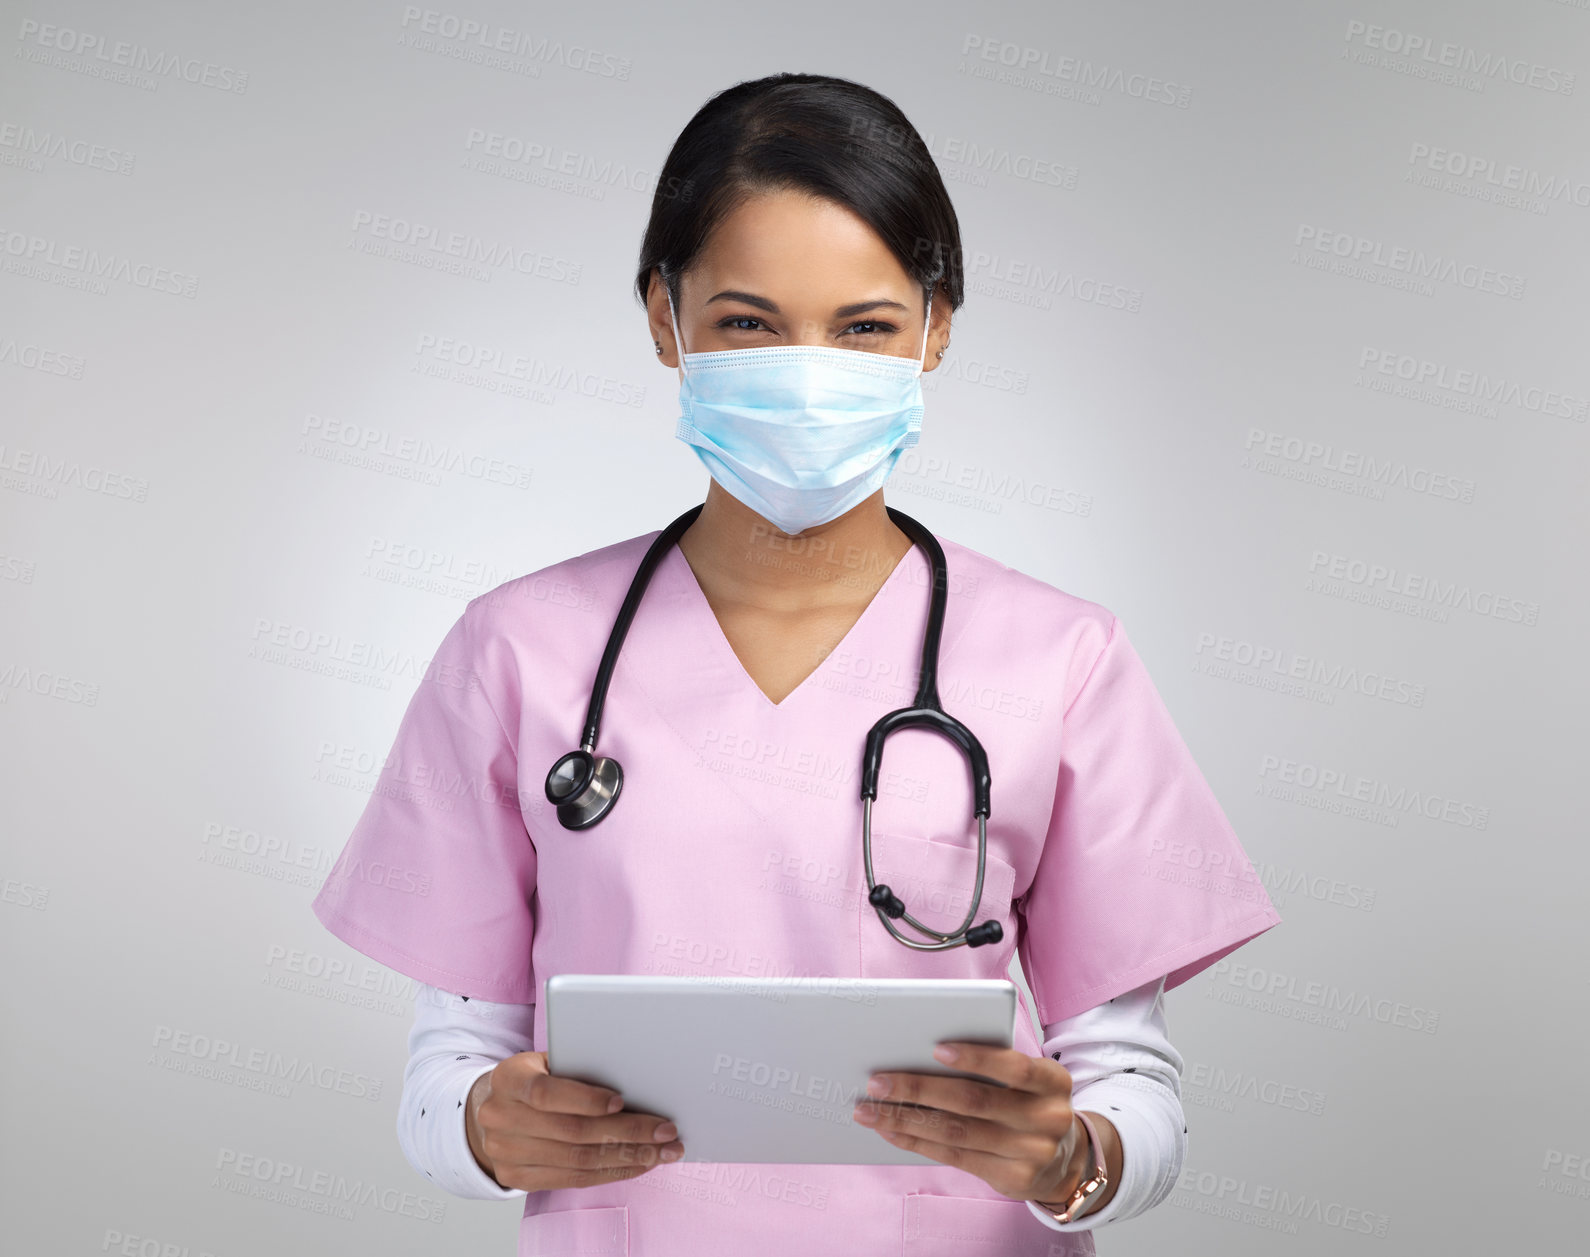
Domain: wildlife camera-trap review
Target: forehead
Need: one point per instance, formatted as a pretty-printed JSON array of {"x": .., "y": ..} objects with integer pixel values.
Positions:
[{"x": 791, "y": 242}]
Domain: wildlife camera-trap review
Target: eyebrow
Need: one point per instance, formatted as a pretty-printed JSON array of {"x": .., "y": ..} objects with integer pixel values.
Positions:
[{"x": 843, "y": 312}]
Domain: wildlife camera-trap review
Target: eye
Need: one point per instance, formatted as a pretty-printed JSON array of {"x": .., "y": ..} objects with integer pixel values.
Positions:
[
  {"x": 750, "y": 323},
  {"x": 734, "y": 319}
]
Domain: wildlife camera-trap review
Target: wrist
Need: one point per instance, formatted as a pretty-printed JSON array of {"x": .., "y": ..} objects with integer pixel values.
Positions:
[
  {"x": 472, "y": 1103},
  {"x": 1076, "y": 1169},
  {"x": 1087, "y": 1164}
]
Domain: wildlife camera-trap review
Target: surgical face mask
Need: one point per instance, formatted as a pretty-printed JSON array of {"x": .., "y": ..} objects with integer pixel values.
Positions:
[{"x": 799, "y": 433}]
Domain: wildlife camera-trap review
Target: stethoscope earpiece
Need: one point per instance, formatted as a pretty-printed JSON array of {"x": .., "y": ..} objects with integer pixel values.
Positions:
[{"x": 886, "y": 902}]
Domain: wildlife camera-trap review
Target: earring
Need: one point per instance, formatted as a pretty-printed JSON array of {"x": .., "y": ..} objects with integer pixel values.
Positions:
[
  {"x": 658, "y": 343},
  {"x": 941, "y": 353}
]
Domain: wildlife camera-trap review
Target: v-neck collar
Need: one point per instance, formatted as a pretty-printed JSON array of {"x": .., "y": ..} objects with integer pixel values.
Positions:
[{"x": 685, "y": 577}]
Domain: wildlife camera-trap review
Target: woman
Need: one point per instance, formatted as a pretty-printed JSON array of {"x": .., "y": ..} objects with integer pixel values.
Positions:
[{"x": 803, "y": 215}]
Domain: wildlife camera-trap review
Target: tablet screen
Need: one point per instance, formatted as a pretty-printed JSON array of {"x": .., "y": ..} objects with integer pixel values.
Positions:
[{"x": 765, "y": 1069}]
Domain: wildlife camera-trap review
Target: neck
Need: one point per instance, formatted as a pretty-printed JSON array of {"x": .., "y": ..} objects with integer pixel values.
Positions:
[{"x": 842, "y": 561}]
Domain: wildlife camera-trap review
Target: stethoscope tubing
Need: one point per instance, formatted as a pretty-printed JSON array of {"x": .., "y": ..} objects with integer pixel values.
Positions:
[
  {"x": 626, "y": 613},
  {"x": 944, "y": 937},
  {"x": 584, "y": 787}
]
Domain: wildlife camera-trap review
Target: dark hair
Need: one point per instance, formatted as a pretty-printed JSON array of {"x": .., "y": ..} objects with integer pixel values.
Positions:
[{"x": 826, "y": 136}]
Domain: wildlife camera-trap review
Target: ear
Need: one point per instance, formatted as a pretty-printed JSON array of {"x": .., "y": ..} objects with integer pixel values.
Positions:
[
  {"x": 938, "y": 331},
  {"x": 659, "y": 323}
]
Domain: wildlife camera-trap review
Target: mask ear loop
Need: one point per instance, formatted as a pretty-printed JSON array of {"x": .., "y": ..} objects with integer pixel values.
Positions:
[
  {"x": 674, "y": 323},
  {"x": 927, "y": 322}
]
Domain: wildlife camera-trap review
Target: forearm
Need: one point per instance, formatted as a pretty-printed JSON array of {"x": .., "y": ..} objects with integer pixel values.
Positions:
[
  {"x": 1125, "y": 1071},
  {"x": 453, "y": 1047}
]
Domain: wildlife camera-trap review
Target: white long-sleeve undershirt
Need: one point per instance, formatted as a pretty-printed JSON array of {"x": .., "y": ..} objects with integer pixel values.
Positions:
[{"x": 1119, "y": 1056}]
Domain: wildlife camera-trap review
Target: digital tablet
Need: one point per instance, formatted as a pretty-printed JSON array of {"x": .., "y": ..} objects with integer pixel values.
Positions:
[{"x": 766, "y": 1069}]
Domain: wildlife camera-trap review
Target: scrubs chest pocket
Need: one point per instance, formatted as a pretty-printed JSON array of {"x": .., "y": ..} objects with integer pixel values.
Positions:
[
  {"x": 565, "y": 1232},
  {"x": 935, "y": 879},
  {"x": 966, "y": 1226}
]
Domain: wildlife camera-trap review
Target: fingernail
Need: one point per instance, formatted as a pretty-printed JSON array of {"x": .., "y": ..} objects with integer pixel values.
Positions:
[
  {"x": 616, "y": 1103},
  {"x": 668, "y": 1154},
  {"x": 865, "y": 1114},
  {"x": 665, "y": 1132},
  {"x": 878, "y": 1087},
  {"x": 945, "y": 1053}
]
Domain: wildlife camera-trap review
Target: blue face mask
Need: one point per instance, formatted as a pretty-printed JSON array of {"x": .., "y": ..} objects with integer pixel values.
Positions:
[{"x": 799, "y": 433}]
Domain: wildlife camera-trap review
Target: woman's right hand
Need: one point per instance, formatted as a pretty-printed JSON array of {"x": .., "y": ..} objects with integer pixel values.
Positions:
[{"x": 531, "y": 1130}]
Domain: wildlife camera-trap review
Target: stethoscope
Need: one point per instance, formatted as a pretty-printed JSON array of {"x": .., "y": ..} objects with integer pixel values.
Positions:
[{"x": 584, "y": 786}]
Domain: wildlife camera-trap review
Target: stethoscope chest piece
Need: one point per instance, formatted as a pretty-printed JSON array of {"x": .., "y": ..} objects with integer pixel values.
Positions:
[{"x": 583, "y": 787}]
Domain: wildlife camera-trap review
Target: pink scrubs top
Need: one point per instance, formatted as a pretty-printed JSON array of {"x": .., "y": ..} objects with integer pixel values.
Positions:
[{"x": 735, "y": 849}]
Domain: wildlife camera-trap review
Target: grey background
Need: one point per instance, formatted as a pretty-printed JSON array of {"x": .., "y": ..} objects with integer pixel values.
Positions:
[{"x": 182, "y": 481}]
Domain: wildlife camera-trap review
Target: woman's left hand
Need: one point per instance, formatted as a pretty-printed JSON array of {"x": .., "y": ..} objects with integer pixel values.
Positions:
[{"x": 1022, "y": 1139}]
